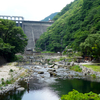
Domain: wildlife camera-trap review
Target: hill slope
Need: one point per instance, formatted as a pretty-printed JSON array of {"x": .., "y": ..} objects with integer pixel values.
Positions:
[
  {"x": 50, "y": 16},
  {"x": 75, "y": 22}
]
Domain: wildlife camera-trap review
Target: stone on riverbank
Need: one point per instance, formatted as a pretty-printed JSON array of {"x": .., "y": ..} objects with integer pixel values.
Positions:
[
  {"x": 72, "y": 63},
  {"x": 51, "y": 70},
  {"x": 50, "y": 66},
  {"x": 56, "y": 67},
  {"x": 41, "y": 72},
  {"x": 21, "y": 89},
  {"x": 52, "y": 74}
]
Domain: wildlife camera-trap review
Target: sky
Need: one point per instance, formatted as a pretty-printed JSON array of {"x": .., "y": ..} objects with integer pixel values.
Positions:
[{"x": 34, "y": 10}]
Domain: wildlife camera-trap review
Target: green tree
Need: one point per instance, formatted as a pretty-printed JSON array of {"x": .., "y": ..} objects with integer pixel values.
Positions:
[
  {"x": 75, "y": 95},
  {"x": 12, "y": 39},
  {"x": 91, "y": 46}
]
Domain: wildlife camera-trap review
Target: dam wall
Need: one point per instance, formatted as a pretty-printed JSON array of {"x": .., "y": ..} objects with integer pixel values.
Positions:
[{"x": 33, "y": 30}]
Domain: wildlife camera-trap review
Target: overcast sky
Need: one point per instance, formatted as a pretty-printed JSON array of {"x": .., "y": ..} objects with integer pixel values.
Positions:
[{"x": 35, "y": 10}]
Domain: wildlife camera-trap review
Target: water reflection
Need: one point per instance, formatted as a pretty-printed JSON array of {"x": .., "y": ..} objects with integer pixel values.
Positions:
[
  {"x": 83, "y": 86},
  {"x": 44, "y": 94},
  {"x": 39, "y": 90}
]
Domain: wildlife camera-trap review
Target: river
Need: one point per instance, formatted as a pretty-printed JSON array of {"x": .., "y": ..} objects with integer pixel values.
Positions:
[
  {"x": 39, "y": 90},
  {"x": 44, "y": 87}
]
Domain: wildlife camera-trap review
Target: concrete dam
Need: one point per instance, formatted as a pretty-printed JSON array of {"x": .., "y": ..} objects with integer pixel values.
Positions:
[{"x": 32, "y": 29}]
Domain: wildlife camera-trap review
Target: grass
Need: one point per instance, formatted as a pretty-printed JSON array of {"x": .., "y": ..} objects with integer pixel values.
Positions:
[
  {"x": 27, "y": 62},
  {"x": 76, "y": 68},
  {"x": 94, "y": 67},
  {"x": 47, "y": 52},
  {"x": 9, "y": 64},
  {"x": 62, "y": 58}
]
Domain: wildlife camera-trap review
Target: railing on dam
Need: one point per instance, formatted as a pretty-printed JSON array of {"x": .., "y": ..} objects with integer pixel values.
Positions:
[{"x": 17, "y": 19}]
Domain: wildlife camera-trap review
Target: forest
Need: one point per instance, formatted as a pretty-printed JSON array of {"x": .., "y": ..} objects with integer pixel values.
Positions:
[{"x": 77, "y": 22}]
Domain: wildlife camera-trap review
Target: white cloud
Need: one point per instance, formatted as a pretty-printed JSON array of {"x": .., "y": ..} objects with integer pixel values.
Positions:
[{"x": 31, "y": 9}]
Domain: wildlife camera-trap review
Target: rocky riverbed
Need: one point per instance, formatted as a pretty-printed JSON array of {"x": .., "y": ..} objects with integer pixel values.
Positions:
[{"x": 43, "y": 70}]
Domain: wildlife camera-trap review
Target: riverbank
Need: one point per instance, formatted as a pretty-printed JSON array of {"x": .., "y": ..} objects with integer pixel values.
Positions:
[{"x": 10, "y": 74}]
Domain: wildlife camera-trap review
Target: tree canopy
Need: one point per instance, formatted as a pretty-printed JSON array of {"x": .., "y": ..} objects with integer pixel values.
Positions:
[
  {"x": 91, "y": 46},
  {"x": 12, "y": 39}
]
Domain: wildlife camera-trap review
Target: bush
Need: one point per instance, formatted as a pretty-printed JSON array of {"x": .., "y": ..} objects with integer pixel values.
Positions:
[
  {"x": 10, "y": 70},
  {"x": 2, "y": 79},
  {"x": 19, "y": 57},
  {"x": 93, "y": 75},
  {"x": 8, "y": 82},
  {"x": 75, "y": 95}
]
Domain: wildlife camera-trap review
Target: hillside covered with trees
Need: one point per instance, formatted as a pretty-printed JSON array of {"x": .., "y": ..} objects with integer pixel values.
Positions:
[
  {"x": 51, "y": 16},
  {"x": 77, "y": 21}
]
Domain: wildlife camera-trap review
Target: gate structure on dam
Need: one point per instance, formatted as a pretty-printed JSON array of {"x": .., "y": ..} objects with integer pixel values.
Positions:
[{"x": 32, "y": 29}]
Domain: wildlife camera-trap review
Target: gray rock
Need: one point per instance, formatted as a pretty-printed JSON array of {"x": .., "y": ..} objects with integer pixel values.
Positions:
[
  {"x": 61, "y": 62},
  {"x": 46, "y": 64},
  {"x": 21, "y": 89},
  {"x": 67, "y": 63},
  {"x": 51, "y": 70},
  {"x": 65, "y": 67},
  {"x": 70, "y": 76},
  {"x": 52, "y": 74},
  {"x": 56, "y": 67},
  {"x": 41, "y": 72},
  {"x": 50, "y": 66},
  {"x": 72, "y": 63}
]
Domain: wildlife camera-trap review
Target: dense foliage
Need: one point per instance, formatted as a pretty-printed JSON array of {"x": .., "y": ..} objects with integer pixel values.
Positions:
[
  {"x": 91, "y": 46},
  {"x": 50, "y": 17},
  {"x": 75, "y": 95},
  {"x": 12, "y": 39},
  {"x": 72, "y": 26}
]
